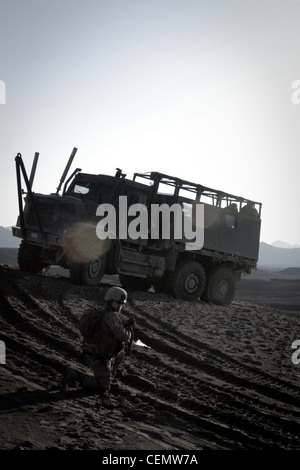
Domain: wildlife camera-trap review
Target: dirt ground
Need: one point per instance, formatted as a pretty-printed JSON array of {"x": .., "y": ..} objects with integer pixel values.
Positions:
[{"x": 200, "y": 376}]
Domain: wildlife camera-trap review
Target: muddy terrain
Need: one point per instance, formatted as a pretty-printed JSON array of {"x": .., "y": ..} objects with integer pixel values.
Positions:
[{"x": 199, "y": 377}]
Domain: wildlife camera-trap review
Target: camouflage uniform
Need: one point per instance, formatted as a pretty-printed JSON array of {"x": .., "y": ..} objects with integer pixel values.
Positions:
[{"x": 106, "y": 351}]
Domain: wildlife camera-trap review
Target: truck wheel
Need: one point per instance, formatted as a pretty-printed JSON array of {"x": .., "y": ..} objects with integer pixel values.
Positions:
[
  {"x": 29, "y": 258},
  {"x": 187, "y": 281},
  {"x": 88, "y": 274},
  {"x": 134, "y": 283},
  {"x": 220, "y": 287}
]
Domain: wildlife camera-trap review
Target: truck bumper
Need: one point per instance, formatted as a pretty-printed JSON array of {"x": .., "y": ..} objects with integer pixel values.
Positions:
[{"x": 35, "y": 237}]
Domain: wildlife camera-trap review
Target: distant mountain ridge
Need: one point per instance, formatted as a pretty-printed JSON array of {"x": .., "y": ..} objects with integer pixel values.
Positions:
[
  {"x": 274, "y": 256},
  {"x": 269, "y": 255},
  {"x": 281, "y": 244},
  {"x": 7, "y": 240}
]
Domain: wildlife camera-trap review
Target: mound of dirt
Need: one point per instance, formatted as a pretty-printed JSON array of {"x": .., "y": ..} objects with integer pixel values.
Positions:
[{"x": 200, "y": 376}]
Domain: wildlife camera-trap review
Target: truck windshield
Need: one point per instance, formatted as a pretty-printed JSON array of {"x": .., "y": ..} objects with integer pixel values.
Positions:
[
  {"x": 79, "y": 189},
  {"x": 91, "y": 190}
]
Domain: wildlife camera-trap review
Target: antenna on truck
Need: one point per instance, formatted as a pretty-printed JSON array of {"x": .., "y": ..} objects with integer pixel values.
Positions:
[
  {"x": 63, "y": 177},
  {"x": 33, "y": 168}
]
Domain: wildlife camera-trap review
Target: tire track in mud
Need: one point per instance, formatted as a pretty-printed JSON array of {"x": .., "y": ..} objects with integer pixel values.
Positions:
[
  {"x": 202, "y": 426},
  {"x": 39, "y": 337},
  {"x": 219, "y": 404},
  {"x": 255, "y": 415},
  {"x": 223, "y": 367},
  {"x": 35, "y": 330},
  {"x": 195, "y": 346}
]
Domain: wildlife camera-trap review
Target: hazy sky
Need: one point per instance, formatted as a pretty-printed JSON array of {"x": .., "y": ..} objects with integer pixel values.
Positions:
[{"x": 199, "y": 89}]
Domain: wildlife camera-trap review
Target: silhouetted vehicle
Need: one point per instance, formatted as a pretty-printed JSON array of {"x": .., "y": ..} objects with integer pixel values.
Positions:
[{"x": 63, "y": 229}]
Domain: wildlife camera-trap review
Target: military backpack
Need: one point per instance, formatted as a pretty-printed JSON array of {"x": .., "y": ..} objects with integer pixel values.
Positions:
[{"x": 89, "y": 324}]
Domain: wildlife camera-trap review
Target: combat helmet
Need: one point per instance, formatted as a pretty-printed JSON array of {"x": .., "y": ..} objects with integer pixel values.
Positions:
[{"x": 116, "y": 293}]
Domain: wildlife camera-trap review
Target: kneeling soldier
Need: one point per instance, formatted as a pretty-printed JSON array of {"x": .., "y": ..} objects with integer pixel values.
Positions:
[{"x": 105, "y": 336}]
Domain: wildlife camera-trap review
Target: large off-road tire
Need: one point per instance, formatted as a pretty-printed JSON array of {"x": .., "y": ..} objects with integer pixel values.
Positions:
[
  {"x": 29, "y": 258},
  {"x": 88, "y": 274},
  {"x": 134, "y": 283},
  {"x": 187, "y": 281},
  {"x": 220, "y": 287}
]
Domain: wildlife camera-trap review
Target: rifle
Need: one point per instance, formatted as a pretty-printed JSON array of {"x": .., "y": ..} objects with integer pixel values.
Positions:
[{"x": 129, "y": 326}]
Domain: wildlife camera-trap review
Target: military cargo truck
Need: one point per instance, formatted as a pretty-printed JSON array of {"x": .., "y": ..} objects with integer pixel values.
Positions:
[{"x": 99, "y": 224}]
